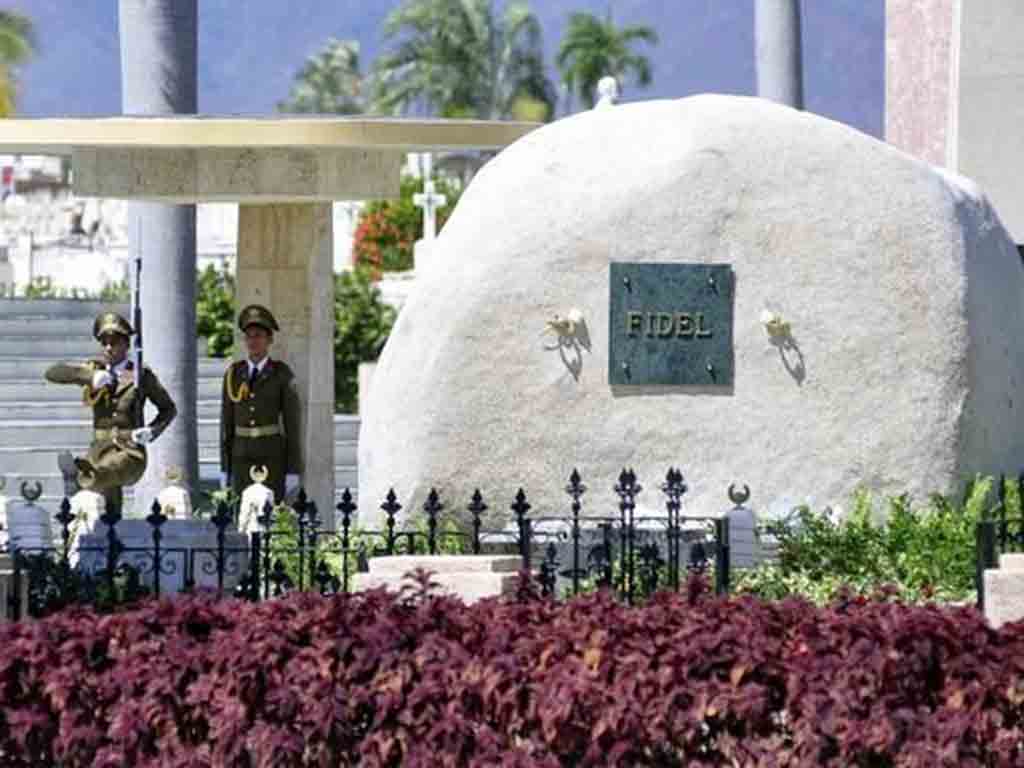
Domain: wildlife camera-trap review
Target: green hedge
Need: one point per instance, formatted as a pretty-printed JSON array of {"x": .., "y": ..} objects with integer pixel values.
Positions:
[{"x": 918, "y": 552}]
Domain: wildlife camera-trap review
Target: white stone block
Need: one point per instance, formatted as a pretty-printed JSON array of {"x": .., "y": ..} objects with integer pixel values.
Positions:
[
  {"x": 467, "y": 586},
  {"x": 399, "y": 565},
  {"x": 468, "y": 577},
  {"x": 1011, "y": 561},
  {"x": 1004, "y": 596}
]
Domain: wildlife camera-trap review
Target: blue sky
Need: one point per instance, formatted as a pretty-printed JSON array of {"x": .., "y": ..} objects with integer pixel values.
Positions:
[{"x": 249, "y": 50}]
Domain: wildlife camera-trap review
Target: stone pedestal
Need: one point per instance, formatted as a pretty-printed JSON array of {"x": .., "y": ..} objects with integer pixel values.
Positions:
[
  {"x": 188, "y": 550},
  {"x": 285, "y": 263},
  {"x": 468, "y": 577},
  {"x": 744, "y": 546},
  {"x": 28, "y": 526}
]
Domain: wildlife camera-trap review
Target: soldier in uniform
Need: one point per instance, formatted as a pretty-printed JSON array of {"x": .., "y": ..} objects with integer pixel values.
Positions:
[
  {"x": 259, "y": 423},
  {"x": 117, "y": 456}
]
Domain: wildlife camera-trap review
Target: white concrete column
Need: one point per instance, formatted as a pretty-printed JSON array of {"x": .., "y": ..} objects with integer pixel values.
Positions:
[
  {"x": 779, "y": 51},
  {"x": 285, "y": 262}
]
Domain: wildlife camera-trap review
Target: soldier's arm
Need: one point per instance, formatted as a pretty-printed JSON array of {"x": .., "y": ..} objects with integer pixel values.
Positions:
[
  {"x": 292, "y": 414},
  {"x": 227, "y": 425},
  {"x": 165, "y": 408},
  {"x": 70, "y": 373}
]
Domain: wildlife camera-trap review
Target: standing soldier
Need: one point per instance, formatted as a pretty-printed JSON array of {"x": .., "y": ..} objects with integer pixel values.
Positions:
[
  {"x": 117, "y": 456},
  {"x": 259, "y": 421}
]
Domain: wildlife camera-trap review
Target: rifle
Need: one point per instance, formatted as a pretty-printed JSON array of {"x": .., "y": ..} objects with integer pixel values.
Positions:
[{"x": 138, "y": 417}]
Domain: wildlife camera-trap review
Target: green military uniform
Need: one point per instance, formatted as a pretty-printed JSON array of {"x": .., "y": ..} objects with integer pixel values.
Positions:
[
  {"x": 114, "y": 460},
  {"x": 259, "y": 422}
]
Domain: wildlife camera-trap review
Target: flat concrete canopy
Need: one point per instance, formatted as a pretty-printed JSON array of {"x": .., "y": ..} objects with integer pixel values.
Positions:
[
  {"x": 288, "y": 159},
  {"x": 61, "y": 136}
]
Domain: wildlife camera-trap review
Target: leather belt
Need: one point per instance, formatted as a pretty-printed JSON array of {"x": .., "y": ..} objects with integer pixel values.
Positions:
[
  {"x": 111, "y": 434},
  {"x": 253, "y": 432},
  {"x": 115, "y": 435}
]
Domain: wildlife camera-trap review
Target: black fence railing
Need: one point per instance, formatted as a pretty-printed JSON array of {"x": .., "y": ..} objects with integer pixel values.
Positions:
[{"x": 634, "y": 554}]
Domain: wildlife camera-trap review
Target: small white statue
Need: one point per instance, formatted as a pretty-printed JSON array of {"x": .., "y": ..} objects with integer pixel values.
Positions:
[
  {"x": 174, "y": 500},
  {"x": 607, "y": 92},
  {"x": 254, "y": 499},
  {"x": 87, "y": 507}
]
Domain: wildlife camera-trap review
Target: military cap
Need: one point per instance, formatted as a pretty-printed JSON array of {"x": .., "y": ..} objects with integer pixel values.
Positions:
[
  {"x": 111, "y": 322},
  {"x": 255, "y": 314}
]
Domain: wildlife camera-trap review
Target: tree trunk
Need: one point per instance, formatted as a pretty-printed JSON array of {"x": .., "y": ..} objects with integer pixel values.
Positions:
[
  {"x": 158, "y": 77},
  {"x": 779, "y": 51}
]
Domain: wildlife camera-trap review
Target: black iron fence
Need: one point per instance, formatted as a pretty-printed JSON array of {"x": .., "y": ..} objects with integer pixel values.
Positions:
[{"x": 634, "y": 554}]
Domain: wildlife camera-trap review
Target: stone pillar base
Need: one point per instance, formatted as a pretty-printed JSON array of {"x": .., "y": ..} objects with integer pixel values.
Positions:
[{"x": 285, "y": 263}]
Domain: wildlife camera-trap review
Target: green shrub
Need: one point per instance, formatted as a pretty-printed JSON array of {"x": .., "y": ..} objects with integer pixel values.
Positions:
[
  {"x": 362, "y": 325},
  {"x": 919, "y": 553},
  {"x": 42, "y": 287},
  {"x": 216, "y": 310}
]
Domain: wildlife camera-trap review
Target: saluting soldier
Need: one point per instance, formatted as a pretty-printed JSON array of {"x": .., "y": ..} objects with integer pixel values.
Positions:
[
  {"x": 117, "y": 456},
  {"x": 259, "y": 420}
]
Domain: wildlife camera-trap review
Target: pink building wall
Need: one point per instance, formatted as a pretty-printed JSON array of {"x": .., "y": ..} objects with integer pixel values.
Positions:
[{"x": 919, "y": 77}]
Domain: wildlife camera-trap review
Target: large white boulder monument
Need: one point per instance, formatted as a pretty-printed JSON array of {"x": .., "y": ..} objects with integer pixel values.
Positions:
[{"x": 850, "y": 316}]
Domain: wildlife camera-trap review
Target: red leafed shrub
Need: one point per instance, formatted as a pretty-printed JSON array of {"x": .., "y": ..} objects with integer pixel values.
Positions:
[{"x": 423, "y": 680}]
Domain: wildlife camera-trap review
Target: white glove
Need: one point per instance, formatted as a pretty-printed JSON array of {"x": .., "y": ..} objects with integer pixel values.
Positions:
[
  {"x": 291, "y": 484},
  {"x": 101, "y": 379},
  {"x": 142, "y": 435}
]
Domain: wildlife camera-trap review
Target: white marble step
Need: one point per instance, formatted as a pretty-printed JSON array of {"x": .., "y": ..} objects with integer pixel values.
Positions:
[
  {"x": 22, "y": 368},
  {"x": 48, "y": 327},
  {"x": 38, "y": 390},
  {"x": 74, "y": 410},
  {"x": 40, "y": 459},
  {"x": 57, "y": 309},
  {"x": 68, "y": 347}
]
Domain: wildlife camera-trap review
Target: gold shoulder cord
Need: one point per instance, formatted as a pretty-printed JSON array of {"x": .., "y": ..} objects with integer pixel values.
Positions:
[{"x": 242, "y": 392}]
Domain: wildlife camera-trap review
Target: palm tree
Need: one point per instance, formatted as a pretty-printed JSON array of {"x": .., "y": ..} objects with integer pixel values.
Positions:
[
  {"x": 459, "y": 58},
  {"x": 329, "y": 83},
  {"x": 16, "y": 44},
  {"x": 593, "y": 48}
]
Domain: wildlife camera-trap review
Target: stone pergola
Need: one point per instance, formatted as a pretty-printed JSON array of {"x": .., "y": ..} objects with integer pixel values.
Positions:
[{"x": 284, "y": 172}]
